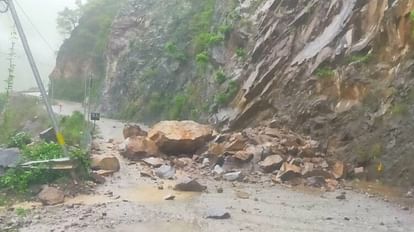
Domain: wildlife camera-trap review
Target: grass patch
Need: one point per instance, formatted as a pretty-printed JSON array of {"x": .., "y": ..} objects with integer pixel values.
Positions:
[
  {"x": 324, "y": 72},
  {"x": 400, "y": 109},
  {"x": 362, "y": 59}
]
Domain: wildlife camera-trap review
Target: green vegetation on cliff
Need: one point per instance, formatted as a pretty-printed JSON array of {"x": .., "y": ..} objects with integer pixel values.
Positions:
[{"x": 87, "y": 42}]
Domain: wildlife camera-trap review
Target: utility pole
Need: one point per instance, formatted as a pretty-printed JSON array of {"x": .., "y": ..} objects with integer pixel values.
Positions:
[{"x": 35, "y": 71}]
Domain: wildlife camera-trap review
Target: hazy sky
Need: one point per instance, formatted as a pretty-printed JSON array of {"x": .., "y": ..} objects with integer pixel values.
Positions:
[{"x": 42, "y": 14}]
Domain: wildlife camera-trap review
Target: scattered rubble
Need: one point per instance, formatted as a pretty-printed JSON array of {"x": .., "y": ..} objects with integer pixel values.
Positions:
[
  {"x": 51, "y": 196},
  {"x": 234, "y": 156}
]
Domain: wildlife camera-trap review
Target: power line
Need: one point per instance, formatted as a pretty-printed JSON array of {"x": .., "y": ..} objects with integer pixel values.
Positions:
[{"x": 34, "y": 27}]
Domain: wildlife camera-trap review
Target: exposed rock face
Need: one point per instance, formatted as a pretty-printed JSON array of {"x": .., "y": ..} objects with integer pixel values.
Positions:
[
  {"x": 51, "y": 196},
  {"x": 180, "y": 137}
]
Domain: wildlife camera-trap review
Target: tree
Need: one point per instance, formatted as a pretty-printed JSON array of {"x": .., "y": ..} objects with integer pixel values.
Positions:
[{"x": 68, "y": 20}]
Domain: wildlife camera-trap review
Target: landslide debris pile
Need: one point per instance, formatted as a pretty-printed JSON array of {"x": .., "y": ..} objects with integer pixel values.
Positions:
[{"x": 255, "y": 155}]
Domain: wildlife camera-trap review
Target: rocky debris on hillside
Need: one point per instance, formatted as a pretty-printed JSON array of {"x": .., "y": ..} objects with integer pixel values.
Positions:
[
  {"x": 252, "y": 155},
  {"x": 51, "y": 196}
]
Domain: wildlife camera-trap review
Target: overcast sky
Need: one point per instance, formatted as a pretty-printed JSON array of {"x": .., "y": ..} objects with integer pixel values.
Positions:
[{"x": 42, "y": 14}]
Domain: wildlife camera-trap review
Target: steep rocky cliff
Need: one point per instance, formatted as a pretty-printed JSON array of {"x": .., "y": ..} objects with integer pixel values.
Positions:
[{"x": 338, "y": 70}]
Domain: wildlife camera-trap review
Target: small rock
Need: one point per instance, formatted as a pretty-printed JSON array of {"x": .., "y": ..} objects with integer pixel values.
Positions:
[
  {"x": 187, "y": 184},
  {"x": 232, "y": 176},
  {"x": 154, "y": 162},
  {"x": 288, "y": 172},
  {"x": 405, "y": 208},
  {"x": 169, "y": 197},
  {"x": 338, "y": 170},
  {"x": 271, "y": 163},
  {"x": 359, "y": 171},
  {"x": 205, "y": 163},
  {"x": 131, "y": 130},
  {"x": 347, "y": 219},
  {"x": 97, "y": 178},
  {"x": 218, "y": 170},
  {"x": 410, "y": 194},
  {"x": 218, "y": 214},
  {"x": 342, "y": 196},
  {"x": 165, "y": 172},
  {"x": 220, "y": 190},
  {"x": 51, "y": 196},
  {"x": 315, "y": 181},
  {"x": 105, "y": 162},
  {"x": 242, "y": 195},
  {"x": 183, "y": 162},
  {"x": 243, "y": 156},
  {"x": 105, "y": 172}
]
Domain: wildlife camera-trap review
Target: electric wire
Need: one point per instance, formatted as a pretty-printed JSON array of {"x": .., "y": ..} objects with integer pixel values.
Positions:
[{"x": 34, "y": 26}]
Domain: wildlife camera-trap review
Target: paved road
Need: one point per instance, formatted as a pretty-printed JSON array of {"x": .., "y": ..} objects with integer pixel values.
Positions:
[{"x": 108, "y": 128}]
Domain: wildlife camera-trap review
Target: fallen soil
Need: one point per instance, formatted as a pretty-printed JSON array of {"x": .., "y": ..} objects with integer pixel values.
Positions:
[{"x": 129, "y": 202}]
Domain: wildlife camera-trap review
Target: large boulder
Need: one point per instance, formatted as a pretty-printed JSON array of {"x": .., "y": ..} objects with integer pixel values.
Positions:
[
  {"x": 132, "y": 130},
  {"x": 137, "y": 148},
  {"x": 180, "y": 137},
  {"x": 105, "y": 162},
  {"x": 51, "y": 196}
]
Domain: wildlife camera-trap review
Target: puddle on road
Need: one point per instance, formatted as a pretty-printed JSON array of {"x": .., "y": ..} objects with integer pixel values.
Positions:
[
  {"x": 157, "y": 226},
  {"x": 142, "y": 194}
]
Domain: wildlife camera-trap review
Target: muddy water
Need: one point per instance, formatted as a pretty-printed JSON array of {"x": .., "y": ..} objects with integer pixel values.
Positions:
[{"x": 175, "y": 226}]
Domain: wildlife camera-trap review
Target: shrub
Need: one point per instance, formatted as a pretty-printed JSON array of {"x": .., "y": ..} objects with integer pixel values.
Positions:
[
  {"x": 19, "y": 179},
  {"x": 173, "y": 52},
  {"x": 223, "y": 98},
  {"x": 202, "y": 58},
  {"x": 225, "y": 29},
  {"x": 220, "y": 77},
  {"x": 241, "y": 52},
  {"x": 73, "y": 128},
  {"x": 19, "y": 140}
]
